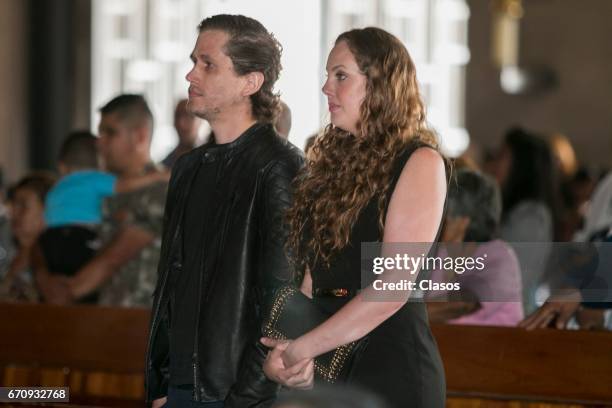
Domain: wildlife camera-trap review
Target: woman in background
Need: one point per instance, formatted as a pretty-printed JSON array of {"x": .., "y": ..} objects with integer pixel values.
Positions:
[
  {"x": 525, "y": 171},
  {"x": 26, "y": 201}
]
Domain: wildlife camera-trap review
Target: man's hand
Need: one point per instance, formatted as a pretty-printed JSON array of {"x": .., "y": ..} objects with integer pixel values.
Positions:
[
  {"x": 298, "y": 376},
  {"x": 558, "y": 308},
  {"x": 158, "y": 403}
]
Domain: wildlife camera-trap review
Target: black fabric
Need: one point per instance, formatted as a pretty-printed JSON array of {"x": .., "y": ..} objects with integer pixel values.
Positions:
[
  {"x": 184, "y": 291},
  {"x": 67, "y": 249},
  {"x": 400, "y": 362},
  {"x": 243, "y": 262}
]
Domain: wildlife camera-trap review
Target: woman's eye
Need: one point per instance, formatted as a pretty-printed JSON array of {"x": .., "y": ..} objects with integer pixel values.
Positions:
[{"x": 340, "y": 76}]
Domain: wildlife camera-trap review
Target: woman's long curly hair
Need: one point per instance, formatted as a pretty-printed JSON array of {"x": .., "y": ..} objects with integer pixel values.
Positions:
[{"x": 344, "y": 171}]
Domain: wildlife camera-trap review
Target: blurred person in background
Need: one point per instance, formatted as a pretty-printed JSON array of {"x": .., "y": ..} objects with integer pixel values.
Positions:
[
  {"x": 525, "y": 171},
  {"x": 576, "y": 299},
  {"x": 187, "y": 126},
  {"x": 124, "y": 269},
  {"x": 73, "y": 208},
  {"x": 6, "y": 244},
  {"x": 26, "y": 201},
  {"x": 471, "y": 229},
  {"x": 575, "y": 188},
  {"x": 283, "y": 121}
]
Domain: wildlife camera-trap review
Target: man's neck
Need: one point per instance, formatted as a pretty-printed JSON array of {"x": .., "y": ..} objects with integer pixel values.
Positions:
[
  {"x": 226, "y": 131},
  {"x": 138, "y": 169},
  {"x": 185, "y": 146}
]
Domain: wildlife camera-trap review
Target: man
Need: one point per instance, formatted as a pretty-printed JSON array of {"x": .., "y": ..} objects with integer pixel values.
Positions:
[
  {"x": 187, "y": 126},
  {"x": 124, "y": 268},
  {"x": 573, "y": 299},
  {"x": 282, "y": 125},
  {"x": 223, "y": 245}
]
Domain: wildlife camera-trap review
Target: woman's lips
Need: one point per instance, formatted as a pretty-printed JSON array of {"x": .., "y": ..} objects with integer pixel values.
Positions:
[{"x": 333, "y": 107}]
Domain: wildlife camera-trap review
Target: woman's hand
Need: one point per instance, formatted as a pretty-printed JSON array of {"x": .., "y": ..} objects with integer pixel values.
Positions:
[{"x": 299, "y": 375}]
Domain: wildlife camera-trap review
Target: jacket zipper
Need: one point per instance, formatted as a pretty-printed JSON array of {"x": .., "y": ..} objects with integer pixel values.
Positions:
[{"x": 154, "y": 325}]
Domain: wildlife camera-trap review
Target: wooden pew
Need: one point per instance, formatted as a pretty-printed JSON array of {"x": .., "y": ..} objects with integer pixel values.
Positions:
[
  {"x": 99, "y": 353},
  {"x": 492, "y": 365}
]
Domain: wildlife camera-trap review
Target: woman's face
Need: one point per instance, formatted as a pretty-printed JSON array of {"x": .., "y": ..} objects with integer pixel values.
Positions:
[
  {"x": 345, "y": 88},
  {"x": 500, "y": 165},
  {"x": 27, "y": 216}
]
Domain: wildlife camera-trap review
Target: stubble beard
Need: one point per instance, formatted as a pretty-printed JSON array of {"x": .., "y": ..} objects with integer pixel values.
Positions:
[{"x": 207, "y": 114}]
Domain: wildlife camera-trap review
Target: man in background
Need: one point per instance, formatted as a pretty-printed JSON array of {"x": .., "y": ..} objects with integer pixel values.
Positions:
[{"x": 187, "y": 126}]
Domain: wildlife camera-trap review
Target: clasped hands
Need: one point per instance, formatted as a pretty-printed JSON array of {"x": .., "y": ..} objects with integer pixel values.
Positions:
[{"x": 284, "y": 366}]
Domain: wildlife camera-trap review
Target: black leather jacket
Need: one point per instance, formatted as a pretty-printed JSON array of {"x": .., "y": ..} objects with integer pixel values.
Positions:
[{"x": 244, "y": 260}]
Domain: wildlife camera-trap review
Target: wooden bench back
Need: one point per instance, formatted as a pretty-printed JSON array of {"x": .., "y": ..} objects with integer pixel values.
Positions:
[
  {"x": 559, "y": 366},
  {"x": 100, "y": 353}
]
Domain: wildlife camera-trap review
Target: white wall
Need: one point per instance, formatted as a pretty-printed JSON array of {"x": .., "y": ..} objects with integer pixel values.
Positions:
[{"x": 297, "y": 26}]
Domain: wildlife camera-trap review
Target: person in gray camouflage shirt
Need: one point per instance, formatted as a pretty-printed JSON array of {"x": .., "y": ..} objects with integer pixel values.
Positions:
[
  {"x": 124, "y": 270},
  {"x": 144, "y": 209}
]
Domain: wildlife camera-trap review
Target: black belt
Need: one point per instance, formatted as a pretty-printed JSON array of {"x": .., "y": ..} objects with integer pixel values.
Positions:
[{"x": 336, "y": 292}]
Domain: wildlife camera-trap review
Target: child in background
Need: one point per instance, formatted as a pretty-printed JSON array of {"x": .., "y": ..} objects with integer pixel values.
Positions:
[{"x": 73, "y": 208}]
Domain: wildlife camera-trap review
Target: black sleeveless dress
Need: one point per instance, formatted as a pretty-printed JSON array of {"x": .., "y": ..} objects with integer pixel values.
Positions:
[{"x": 400, "y": 362}]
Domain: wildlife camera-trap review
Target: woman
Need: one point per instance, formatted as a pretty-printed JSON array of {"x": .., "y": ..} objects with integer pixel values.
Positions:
[
  {"x": 489, "y": 297},
  {"x": 373, "y": 176},
  {"x": 26, "y": 203},
  {"x": 525, "y": 172}
]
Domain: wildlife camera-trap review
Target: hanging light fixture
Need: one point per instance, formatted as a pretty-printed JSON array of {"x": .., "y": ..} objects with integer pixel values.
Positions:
[{"x": 505, "y": 45}]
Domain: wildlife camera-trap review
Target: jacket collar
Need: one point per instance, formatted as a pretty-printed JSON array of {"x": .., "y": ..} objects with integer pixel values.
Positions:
[{"x": 211, "y": 150}]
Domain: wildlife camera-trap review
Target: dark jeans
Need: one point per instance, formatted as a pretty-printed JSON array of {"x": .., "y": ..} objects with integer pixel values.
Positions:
[{"x": 182, "y": 398}]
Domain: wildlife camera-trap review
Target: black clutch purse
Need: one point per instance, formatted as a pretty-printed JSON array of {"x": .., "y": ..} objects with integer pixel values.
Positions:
[{"x": 293, "y": 314}]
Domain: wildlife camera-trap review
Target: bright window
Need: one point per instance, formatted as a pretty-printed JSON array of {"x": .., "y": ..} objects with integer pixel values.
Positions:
[{"x": 143, "y": 46}]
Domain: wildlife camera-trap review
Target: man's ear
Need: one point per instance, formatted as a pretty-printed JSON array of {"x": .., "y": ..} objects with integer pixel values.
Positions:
[
  {"x": 254, "y": 81},
  {"x": 63, "y": 168},
  {"x": 142, "y": 136}
]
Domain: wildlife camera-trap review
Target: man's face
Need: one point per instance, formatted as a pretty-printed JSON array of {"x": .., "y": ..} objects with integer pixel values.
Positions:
[
  {"x": 116, "y": 143},
  {"x": 214, "y": 86}
]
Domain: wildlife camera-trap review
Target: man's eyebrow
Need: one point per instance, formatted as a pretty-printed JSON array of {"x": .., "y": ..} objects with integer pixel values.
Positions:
[{"x": 206, "y": 57}]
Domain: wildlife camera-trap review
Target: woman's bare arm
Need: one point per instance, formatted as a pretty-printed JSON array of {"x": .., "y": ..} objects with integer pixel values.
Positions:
[{"x": 414, "y": 215}]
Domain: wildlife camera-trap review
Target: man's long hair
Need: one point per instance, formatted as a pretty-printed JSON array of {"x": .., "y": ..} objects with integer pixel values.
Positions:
[{"x": 252, "y": 49}]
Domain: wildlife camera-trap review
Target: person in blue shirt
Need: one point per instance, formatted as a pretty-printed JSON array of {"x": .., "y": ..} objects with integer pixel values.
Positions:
[
  {"x": 73, "y": 208},
  {"x": 76, "y": 199}
]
